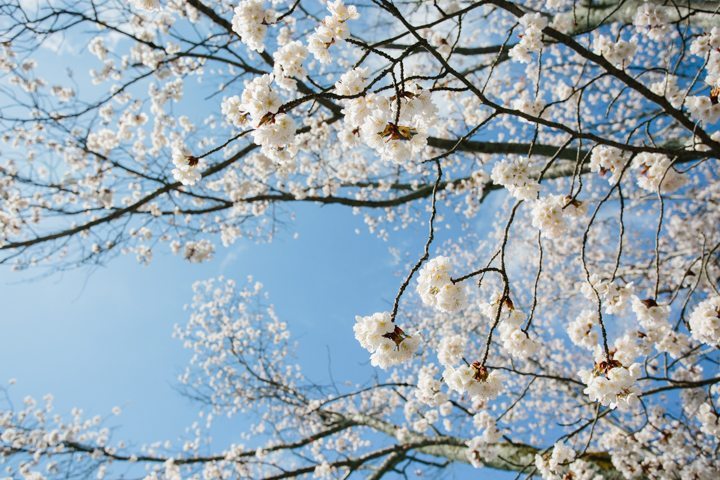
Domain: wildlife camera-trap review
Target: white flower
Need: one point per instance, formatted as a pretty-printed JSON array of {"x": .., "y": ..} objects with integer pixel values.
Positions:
[
  {"x": 582, "y": 331},
  {"x": 608, "y": 159},
  {"x": 259, "y": 99},
  {"x": 706, "y": 43},
  {"x": 669, "y": 89},
  {"x": 703, "y": 109},
  {"x": 429, "y": 387},
  {"x": 451, "y": 350},
  {"x": 387, "y": 343},
  {"x": 147, "y": 4},
  {"x": 198, "y": 252},
  {"x": 612, "y": 384},
  {"x": 531, "y": 37},
  {"x": 531, "y": 107},
  {"x": 555, "y": 466},
  {"x": 324, "y": 470},
  {"x": 332, "y": 29},
  {"x": 709, "y": 420},
  {"x": 436, "y": 288},
  {"x": 614, "y": 297},
  {"x": 705, "y": 321},
  {"x": 288, "y": 64},
  {"x": 250, "y": 22},
  {"x": 648, "y": 312},
  {"x": 654, "y": 168},
  {"x": 475, "y": 380},
  {"x": 352, "y": 82},
  {"x": 484, "y": 422},
  {"x": 232, "y": 109},
  {"x": 476, "y": 450},
  {"x": 550, "y": 214},
  {"x": 187, "y": 167},
  {"x": 618, "y": 53},
  {"x": 518, "y": 177},
  {"x": 652, "y": 19},
  {"x": 516, "y": 342}
]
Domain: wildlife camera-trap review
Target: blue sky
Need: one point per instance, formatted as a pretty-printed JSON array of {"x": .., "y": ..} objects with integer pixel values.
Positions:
[{"x": 99, "y": 338}]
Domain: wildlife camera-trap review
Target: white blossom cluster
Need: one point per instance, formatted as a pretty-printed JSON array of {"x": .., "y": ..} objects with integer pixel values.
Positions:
[
  {"x": 656, "y": 172},
  {"x": 518, "y": 176},
  {"x": 583, "y": 330},
  {"x": 372, "y": 120},
  {"x": 709, "y": 420},
  {"x": 388, "y": 344},
  {"x": 480, "y": 446},
  {"x": 429, "y": 387},
  {"x": 250, "y": 21},
  {"x": 703, "y": 107},
  {"x": 615, "y": 298},
  {"x": 605, "y": 159},
  {"x": 274, "y": 131},
  {"x": 555, "y": 466},
  {"x": 451, "y": 349},
  {"x": 515, "y": 340},
  {"x": 530, "y": 39},
  {"x": 289, "y": 64},
  {"x": 657, "y": 330},
  {"x": 552, "y": 214},
  {"x": 652, "y": 20},
  {"x": 705, "y": 321},
  {"x": 223, "y": 319},
  {"x": 331, "y": 30},
  {"x": 612, "y": 384},
  {"x": 35, "y": 427},
  {"x": 619, "y": 53},
  {"x": 187, "y": 168},
  {"x": 436, "y": 289},
  {"x": 147, "y": 4},
  {"x": 476, "y": 381}
]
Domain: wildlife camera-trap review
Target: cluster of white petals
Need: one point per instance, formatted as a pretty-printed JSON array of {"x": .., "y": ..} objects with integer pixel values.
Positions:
[
  {"x": 655, "y": 171},
  {"x": 583, "y": 330},
  {"x": 479, "y": 447},
  {"x": 657, "y": 330},
  {"x": 605, "y": 159},
  {"x": 187, "y": 167},
  {"x": 429, "y": 387},
  {"x": 530, "y": 39},
  {"x": 705, "y": 321},
  {"x": 555, "y": 466},
  {"x": 619, "y": 53},
  {"x": 250, "y": 21},
  {"x": 709, "y": 420},
  {"x": 436, "y": 288},
  {"x": 147, "y": 4},
  {"x": 652, "y": 20},
  {"x": 289, "y": 64},
  {"x": 451, "y": 349},
  {"x": 703, "y": 109},
  {"x": 552, "y": 214},
  {"x": 331, "y": 30},
  {"x": 516, "y": 341},
  {"x": 274, "y": 131},
  {"x": 614, "y": 297},
  {"x": 612, "y": 384},
  {"x": 388, "y": 344},
  {"x": 476, "y": 381},
  {"x": 199, "y": 251},
  {"x": 518, "y": 176}
]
